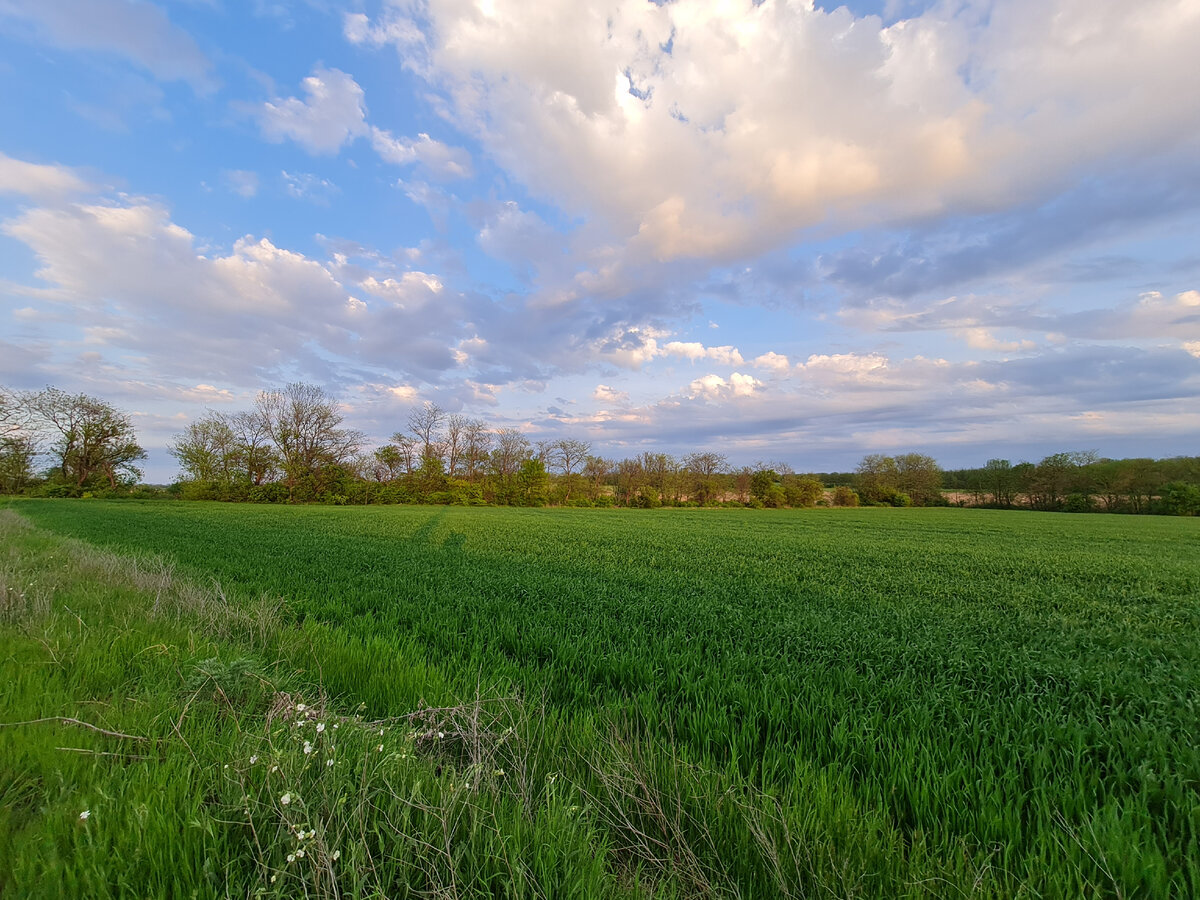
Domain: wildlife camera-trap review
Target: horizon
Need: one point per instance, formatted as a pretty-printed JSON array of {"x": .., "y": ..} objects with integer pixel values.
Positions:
[{"x": 781, "y": 231}]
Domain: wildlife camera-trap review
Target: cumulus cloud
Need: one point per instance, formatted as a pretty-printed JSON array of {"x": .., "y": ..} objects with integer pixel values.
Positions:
[
  {"x": 39, "y": 181},
  {"x": 441, "y": 160},
  {"x": 711, "y": 127},
  {"x": 775, "y": 362},
  {"x": 714, "y": 386},
  {"x": 605, "y": 394},
  {"x": 137, "y": 282},
  {"x": 140, "y": 32},
  {"x": 332, "y": 113}
]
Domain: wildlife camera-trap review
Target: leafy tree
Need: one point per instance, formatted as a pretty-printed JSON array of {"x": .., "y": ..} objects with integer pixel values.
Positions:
[
  {"x": 209, "y": 450},
  {"x": 1000, "y": 481},
  {"x": 534, "y": 483},
  {"x": 1180, "y": 498},
  {"x": 920, "y": 477},
  {"x": 804, "y": 493},
  {"x": 18, "y": 441},
  {"x": 878, "y": 478},
  {"x": 91, "y": 440}
]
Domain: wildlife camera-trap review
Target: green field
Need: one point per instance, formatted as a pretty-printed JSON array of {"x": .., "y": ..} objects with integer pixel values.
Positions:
[{"x": 874, "y": 703}]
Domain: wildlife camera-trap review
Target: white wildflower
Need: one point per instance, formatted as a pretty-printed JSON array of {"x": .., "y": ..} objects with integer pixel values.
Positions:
[
  {"x": 85, "y": 815},
  {"x": 320, "y": 727},
  {"x": 300, "y": 854},
  {"x": 300, "y": 707},
  {"x": 253, "y": 760},
  {"x": 285, "y": 799},
  {"x": 307, "y": 748},
  {"x": 328, "y": 762},
  {"x": 379, "y": 749},
  {"x": 336, "y": 855},
  {"x": 291, "y": 857}
]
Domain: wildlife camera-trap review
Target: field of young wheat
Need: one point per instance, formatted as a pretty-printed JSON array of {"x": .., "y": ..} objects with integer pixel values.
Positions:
[{"x": 590, "y": 703}]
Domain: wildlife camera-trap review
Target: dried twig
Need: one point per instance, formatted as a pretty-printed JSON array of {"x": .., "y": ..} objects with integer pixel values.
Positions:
[{"x": 67, "y": 720}]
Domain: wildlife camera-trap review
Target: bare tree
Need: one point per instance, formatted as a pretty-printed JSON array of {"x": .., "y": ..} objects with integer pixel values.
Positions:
[
  {"x": 406, "y": 447},
  {"x": 477, "y": 446},
  {"x": 511, "y": 449},
  {"x": 455, "y": 443},
  {"x": 424, "y": 422},
  {"x": 571, "y": 454},
  {"x": 596, "y": 470}
]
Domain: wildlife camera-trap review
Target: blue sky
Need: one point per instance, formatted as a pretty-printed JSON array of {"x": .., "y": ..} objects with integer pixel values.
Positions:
[{"x": 783, "y": 230}]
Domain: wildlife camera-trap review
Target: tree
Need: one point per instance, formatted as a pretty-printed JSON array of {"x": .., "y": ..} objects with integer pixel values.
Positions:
[
  {"x": 424, "y": 422},
  {"x": 208, "y": 450},
  {"x": 512, "y": 449},
  {"x": 570, "y": 456},
  {"x": 1181, "y": 499},
  {"x": 477, "y": 446},
  {"x": 878, "y": 478},
  {"x": 18, "y": 441},
  {"x": 804, "y": 492},
  {"x": 1000, "y": 481},
  {"x": 534, "y": 483},
  {"x": 455, "y": 443},
  {"x": 704, "y": 469},
  {"x": 303, "y": 423},
  {"x": 920, "y": 477},
  {"x": 91, "y": 440},
  {"x": 596, "y": 470}
]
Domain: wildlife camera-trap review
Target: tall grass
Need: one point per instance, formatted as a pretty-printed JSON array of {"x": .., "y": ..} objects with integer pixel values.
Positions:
[{"x": 877, "y": 703}]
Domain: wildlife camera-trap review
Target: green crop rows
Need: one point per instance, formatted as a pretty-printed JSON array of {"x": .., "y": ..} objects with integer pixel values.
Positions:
[{"x": 944, "y": 702}]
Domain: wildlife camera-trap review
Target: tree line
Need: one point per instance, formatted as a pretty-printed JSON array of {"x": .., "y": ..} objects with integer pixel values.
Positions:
[{"x": 291, "y": 446}]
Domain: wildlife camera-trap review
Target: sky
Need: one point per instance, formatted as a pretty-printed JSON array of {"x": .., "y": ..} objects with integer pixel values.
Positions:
[{"x": 781, "y": 230}]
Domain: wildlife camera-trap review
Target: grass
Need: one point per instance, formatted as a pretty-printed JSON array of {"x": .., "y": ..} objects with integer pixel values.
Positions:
[{"x": 876, "y": 703}]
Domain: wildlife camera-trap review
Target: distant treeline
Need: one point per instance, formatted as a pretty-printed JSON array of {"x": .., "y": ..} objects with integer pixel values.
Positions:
[{"x": 290, "y": 447}]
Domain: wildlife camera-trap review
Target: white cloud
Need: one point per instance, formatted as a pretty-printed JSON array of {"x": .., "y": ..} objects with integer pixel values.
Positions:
[
  {"x": 765, "y": 118},
  {"x": 694, "y": 350},
  {"x": 307, "y": 186},
  {"x": 776, "y": 362},
  {"x": 717, "y": 388},
  {"x": 982, "y": 339},
  {"x": 135, "y": 283},
  {"x": 241, "y": 182},
  {"x": 1193, "y": 347},
  {"x": 605, "y": 394},
  {"x": 442, "y": 161},
  {"x": 332, "y": 114},
  {"x": 138, "y": 31},
  {"x": 39, "y": 181}
]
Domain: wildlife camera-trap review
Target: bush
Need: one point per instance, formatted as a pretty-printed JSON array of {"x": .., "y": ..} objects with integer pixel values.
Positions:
[{"x": 844, "y": 495}]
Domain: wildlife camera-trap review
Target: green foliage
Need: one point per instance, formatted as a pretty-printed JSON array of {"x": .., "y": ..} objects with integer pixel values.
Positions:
[
  {"x": 844, "y": 495},
  {"x": 1181, "y": 499}
]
